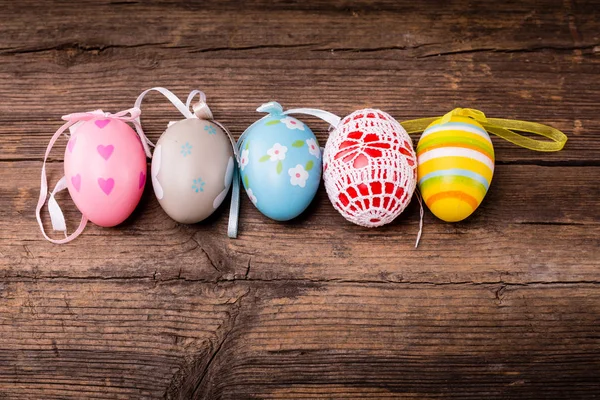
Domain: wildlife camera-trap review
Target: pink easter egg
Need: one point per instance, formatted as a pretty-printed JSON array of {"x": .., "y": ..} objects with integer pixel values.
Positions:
[{"x": 105, "y": 168}]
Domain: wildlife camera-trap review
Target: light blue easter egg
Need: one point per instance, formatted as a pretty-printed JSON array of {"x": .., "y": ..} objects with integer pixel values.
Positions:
[{"x": 280, "y": 164}]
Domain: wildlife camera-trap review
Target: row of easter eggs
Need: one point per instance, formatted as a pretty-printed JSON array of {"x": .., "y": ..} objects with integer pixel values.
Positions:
[{"x": 369, "y": 167}]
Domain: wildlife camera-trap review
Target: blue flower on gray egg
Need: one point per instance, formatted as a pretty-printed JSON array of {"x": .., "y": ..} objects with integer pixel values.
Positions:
[
  {"x": 186, "y": 149},
  {"x": 198, "y": 185},
  {"x": 210, "y": 129}
]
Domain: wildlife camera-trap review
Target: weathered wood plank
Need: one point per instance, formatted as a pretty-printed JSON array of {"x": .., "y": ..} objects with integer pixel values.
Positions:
[
  {"x": 527, "y": 67},
  {"x": 407, "y": 89},
  {"x": 350, "y": 25},
  {"x": 537, "y": 224},
  {"x": 418, "y": 341},
  {"x": 145, "y": 339},
  {"x": 107, "y": 339}
]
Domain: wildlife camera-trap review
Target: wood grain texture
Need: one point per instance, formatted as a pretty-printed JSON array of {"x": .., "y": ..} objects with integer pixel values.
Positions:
[
  {"x": 503, "y": 305},
  {"x": 521, "y": 228},
  {"x": 384, "y": 341},
  {"x": 127, "y": 339}
]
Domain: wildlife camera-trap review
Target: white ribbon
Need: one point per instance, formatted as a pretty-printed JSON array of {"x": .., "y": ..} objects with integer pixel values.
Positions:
[
  {"x": 182, "y": 108},
  {"x": 56, "y": 216},
  {"x": 326, "y": 116}
]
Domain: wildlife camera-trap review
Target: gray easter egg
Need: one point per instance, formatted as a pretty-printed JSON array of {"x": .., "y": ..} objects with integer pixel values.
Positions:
[{"x": 192, "y": 168}]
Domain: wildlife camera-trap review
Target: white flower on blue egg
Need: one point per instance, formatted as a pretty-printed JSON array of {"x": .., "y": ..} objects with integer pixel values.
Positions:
[
  {"x": 292, "y": 123},
  {"x": 252, "y": 197},
  {"x": 313, "y": 148},
  {"x": 277, "y": 152},
  {"x": 298, "y": 176},
  {"x": 244, "y": 158}
]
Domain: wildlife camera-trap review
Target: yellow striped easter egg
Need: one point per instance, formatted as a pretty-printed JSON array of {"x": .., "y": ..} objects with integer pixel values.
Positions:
[{"x": 455, "y": 159}]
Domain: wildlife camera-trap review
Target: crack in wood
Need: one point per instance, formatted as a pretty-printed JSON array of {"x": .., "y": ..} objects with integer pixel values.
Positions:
[
  {"x": 123, "y": 3},
  {"x": 78, "y": 47},
  {"x": 255, "y": 47},
  {"x": 247, "y": 269},
  {"x": 226, "y": 334},
  {"x": 552, "y": 223},
  {"x": 68, "y": 306},
  {"x": 530, "y": 49},
  {"x": 211, "y": 359},
  {"x": 374, "y": 49},
  {"x": 208, "y": 257},
  {"x": 84, "y": 48},
  {"x": 212, "y": 263},
  {"x": 28, "y": 252},
  {"x": 506, "y": 50},
  {"x": 500, "y": 293},
  {"x": 299, "y": 280}
]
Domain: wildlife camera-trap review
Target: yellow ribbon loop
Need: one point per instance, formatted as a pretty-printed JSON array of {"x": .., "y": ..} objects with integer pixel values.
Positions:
[
  {"x": 505, "y": 128},
  {"x": 477, "y": 115}
]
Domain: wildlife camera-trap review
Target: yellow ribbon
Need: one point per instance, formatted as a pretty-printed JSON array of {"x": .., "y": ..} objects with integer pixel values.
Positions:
[{"x": 505, "y": 128}]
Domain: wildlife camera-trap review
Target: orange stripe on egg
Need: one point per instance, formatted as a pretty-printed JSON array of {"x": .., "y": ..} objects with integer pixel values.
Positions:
[{"x": 456, "y": 194}]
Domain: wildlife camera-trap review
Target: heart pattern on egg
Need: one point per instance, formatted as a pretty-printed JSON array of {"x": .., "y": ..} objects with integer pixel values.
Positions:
[
  {"x": 76, "y": 181},
  {"x": 105, "y": 151},
  {"x": 101, "y": 123},
  {"x": 106, "y": 185}
]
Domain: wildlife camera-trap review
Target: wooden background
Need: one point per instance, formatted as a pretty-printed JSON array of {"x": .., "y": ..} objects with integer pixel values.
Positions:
[{"x": 503, "y": 305}]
